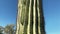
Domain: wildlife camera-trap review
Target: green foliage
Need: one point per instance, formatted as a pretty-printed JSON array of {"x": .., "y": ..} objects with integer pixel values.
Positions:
[
  {"x": 1, "y": 29},
  {"x": 9, "y": 29}
]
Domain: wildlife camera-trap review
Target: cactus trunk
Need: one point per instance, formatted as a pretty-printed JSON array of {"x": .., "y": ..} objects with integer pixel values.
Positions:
[{"x": 30, "y": 19}]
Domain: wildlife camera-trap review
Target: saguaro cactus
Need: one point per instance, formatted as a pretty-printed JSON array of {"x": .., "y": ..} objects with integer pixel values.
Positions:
[{"x": 30, "y": 18}]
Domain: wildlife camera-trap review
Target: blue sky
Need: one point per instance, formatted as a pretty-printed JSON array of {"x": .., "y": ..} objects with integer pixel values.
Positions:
[
  {"x": 8, "y": 11},
  {"x": 52, "y": 16}
]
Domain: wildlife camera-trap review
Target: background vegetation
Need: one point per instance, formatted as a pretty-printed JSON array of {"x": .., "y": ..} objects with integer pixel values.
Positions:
[{"x": 8, "y": 29}]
